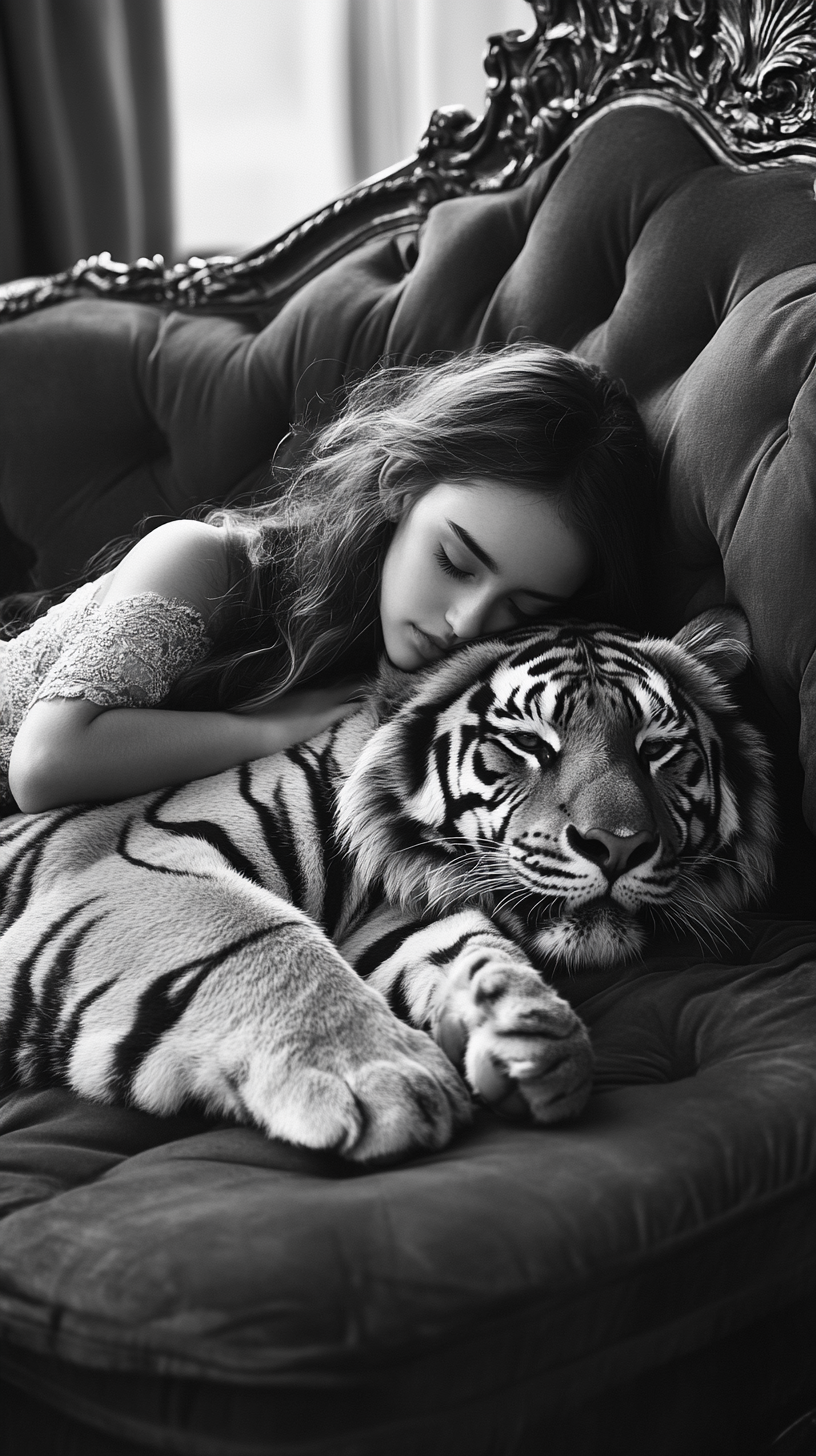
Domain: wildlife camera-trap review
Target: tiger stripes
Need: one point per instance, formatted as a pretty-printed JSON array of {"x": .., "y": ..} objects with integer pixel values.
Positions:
[{"x": 530, "y": 802}]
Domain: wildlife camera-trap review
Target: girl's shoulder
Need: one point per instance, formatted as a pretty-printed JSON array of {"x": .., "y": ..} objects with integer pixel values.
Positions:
[{"x": 186, "y": 561}]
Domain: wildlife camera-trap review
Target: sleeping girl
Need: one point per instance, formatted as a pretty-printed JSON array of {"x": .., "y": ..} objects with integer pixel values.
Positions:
[{"x": 443, "y": 503}]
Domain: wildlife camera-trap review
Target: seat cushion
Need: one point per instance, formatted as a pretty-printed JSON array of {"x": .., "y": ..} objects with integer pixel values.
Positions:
[{"x": 184, "y": 1277}]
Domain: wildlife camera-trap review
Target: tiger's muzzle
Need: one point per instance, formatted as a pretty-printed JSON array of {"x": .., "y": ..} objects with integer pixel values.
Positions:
[{"x": 614, "y": 854}]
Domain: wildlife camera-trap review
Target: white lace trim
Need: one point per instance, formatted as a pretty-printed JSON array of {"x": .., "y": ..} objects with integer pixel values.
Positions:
[
  {"x": 128, "y": 654},
  {"x": 124, "y": 654}
]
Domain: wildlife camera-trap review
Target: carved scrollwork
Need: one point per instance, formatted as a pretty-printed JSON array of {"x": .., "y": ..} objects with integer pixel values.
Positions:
[
  {"x": 742, "y": 72},
  {"x": 260, "y": 280},
  {"x": 764, "y": 87}
]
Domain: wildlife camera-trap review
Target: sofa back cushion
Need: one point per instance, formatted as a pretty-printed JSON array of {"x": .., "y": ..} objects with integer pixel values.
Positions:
[{"x": 693, "y": 283}]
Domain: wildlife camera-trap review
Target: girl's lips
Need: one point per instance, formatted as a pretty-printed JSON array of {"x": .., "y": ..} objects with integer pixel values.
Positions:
[{"x": 429, "y": 646}]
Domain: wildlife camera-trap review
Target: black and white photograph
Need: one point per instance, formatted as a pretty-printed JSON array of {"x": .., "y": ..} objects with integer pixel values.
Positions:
[{"x": 408, "y": 727}]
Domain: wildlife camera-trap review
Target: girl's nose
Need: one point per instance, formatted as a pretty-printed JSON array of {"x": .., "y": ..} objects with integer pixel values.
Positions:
[{"x": 465, "y": 617}]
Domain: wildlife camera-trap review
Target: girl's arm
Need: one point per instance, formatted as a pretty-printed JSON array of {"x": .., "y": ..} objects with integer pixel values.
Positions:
[{"x": 70, "y": 749}]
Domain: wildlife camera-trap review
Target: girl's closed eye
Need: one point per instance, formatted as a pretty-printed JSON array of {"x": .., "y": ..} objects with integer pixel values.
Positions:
[
  {"x": 448, "y": 566},
  {"x": 523, "y": 617}
]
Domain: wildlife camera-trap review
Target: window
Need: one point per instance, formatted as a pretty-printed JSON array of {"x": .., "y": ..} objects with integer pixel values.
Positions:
[{"x": 279, "y": 105}]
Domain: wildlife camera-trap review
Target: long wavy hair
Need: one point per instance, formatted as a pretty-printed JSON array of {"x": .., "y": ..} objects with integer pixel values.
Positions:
[{"x": 307, "y": 559}]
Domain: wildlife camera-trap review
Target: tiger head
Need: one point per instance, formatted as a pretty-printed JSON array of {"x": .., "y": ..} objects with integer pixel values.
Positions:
[{"x": 578, "y": 783}]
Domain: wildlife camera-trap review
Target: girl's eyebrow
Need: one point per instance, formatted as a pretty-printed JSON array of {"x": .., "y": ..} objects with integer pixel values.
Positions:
[
  {"x": 482, "y": 555},
  {"x": 474, "y": 546}
]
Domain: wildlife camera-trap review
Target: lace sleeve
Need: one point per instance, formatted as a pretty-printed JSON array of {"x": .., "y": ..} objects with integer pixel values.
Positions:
[{"x": 128, "y": 654}]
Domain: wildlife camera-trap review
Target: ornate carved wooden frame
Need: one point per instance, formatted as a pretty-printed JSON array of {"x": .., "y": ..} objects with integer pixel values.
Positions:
[{"x": 741, "y": 72}]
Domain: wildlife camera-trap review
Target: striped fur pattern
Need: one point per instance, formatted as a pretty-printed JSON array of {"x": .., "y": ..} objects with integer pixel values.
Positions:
[
  {"x": 583, "y": 787},
  {"x": 527, "y": 801}
]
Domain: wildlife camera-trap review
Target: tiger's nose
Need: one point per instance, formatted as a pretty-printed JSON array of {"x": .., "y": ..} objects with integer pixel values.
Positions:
[{"x": 614, "y": 853}]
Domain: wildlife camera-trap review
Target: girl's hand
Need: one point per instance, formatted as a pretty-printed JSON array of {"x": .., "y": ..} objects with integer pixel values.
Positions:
[{"x": 303, "y": 714}]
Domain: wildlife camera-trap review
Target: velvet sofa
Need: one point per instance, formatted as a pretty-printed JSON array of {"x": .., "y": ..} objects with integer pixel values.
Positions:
[{"x": 645, "y": 1280}]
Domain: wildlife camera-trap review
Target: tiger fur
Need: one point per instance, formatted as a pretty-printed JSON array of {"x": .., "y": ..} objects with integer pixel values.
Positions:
[{"x": 530, "y": 802}]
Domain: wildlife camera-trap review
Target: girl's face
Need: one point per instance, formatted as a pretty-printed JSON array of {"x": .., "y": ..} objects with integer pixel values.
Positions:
[{"x": 470, "y": 559}]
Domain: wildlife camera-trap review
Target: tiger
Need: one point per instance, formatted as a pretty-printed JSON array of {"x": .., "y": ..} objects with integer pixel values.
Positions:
[{"x": 345, "y": 943}]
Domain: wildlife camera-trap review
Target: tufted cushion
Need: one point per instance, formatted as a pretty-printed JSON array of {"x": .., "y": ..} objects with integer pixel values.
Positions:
[
  {"x": 695, "y": 284},
  {"x": 481, "y": 1290}
]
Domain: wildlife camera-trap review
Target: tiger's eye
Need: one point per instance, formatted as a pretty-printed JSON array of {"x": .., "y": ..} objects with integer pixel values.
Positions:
[
  {"x": 529, "y": 742},
  {"x": 534, "y": 744},
  {"x": 653, "y": 749}
]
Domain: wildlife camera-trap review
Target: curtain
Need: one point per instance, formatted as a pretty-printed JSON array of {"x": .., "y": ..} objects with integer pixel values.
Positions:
[
  {"x": 383, "y": 60},
  {"x": 84, "y": 133},
  {"x": 406, "y": 57}
]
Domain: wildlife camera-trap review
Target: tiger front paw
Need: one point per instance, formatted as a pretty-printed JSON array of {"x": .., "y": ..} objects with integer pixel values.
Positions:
[
  {"x": 522, "y": 1047},
  {"x": 400, "y": 1097},
  {"x": 298, "y": 1045},
  {"x": 339, "y": 1071}
]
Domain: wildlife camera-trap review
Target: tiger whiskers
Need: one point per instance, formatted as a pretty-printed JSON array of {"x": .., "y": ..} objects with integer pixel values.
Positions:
[{"x": 712, "y": 926}]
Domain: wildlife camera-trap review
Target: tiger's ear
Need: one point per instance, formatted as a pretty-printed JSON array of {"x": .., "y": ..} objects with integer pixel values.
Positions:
[{"x": 720, "y": 638}]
